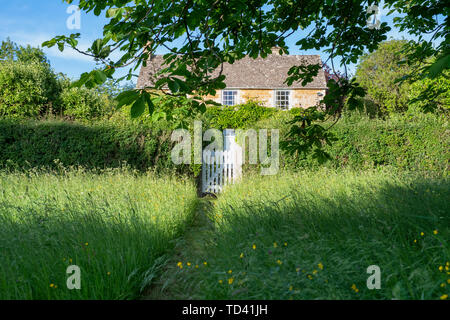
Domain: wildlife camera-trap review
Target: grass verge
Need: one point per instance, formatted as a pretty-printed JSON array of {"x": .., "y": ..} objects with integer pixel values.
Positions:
[
  {"x": 312, "y": 235},
  {"x": 118, "y": 227}
]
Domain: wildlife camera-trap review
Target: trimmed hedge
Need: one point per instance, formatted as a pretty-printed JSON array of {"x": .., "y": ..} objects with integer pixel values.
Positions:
[
  {"x": 411, "y": 142},
  {"x": 27, "y": 143},
  {"x": 418, "y": 143}
]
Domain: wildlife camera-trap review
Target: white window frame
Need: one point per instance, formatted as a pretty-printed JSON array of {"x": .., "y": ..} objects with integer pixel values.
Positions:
[
  {"x": 289, "y": 106},
  {"x": 236, "y": 97}
]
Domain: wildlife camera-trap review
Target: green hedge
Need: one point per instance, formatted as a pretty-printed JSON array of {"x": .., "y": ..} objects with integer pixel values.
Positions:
[
  {"x": 418, "y": 143},
  {"x": 411, "y": 142},
  {"x": 27, "y": 143},
  {"x": 238, "y": 116}
]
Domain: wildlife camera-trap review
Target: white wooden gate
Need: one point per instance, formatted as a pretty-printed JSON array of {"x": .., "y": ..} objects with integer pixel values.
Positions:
[{"x": 222, "y": 167}]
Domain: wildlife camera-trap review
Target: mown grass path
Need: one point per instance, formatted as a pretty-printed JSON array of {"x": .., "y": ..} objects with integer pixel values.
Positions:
[{"x": 168, "y": 285}]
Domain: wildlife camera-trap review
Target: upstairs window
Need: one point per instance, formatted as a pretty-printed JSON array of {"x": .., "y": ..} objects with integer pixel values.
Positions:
[
  {"x": 229, "y": 97},
  {"x": 282, "y": 100}
]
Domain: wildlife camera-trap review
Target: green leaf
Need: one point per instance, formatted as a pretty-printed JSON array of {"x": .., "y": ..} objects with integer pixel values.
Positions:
[
  {"x": 126, "y": 98},
  {"x": 148, "y": 100},
  {"x": 99, "y": 76},
  {"x": 438, "y": 67},
  {"x": 138, "y": 107},
  {"x": 173, "y": 86}
]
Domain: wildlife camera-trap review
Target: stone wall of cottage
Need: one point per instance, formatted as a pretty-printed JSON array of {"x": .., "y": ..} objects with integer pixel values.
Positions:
[{"x": 303, "y": 98}]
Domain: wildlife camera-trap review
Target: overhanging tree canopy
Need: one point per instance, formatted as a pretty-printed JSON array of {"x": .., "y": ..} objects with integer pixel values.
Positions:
[{"x": 201, "y": 35}]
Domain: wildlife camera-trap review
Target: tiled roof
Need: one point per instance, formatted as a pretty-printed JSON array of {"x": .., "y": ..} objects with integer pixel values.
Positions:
[{"x": 249, "y": 73}]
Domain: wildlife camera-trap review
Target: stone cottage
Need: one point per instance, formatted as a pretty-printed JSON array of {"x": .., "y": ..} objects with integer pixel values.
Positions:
[{"x": 259, "y": 79}]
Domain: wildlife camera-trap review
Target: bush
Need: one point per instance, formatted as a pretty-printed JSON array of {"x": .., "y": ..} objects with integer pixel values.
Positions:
[
  {"x": 239, "y": 116},
  {"x": 86, "y": 104},
  {"x": 27, "y": 89},
  {"x": 378, "y": 72}
]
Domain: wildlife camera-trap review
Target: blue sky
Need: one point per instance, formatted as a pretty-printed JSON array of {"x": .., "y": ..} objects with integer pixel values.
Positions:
[{"x": 35, "y": 21}]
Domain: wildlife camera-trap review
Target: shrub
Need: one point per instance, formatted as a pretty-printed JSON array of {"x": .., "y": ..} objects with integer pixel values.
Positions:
[
  {"x": 239, "y": 116},
  {"x": 27, "y": 89},
  {"x": 378, "y": 72},
  {"x": 86, "y": 104}
]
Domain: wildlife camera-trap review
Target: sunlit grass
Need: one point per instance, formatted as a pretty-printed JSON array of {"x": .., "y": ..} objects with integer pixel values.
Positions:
[
  {"x": 118, "y": 227},
  {"x": 312, "y": 235}
]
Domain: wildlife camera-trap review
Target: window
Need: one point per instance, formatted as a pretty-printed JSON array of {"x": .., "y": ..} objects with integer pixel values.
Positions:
[
  {"x": 282, "y": 99},
  {"x": 229, "y": 97}
]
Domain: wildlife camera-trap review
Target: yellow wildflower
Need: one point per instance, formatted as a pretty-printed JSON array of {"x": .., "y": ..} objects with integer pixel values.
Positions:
[
  {"x": 180, "y": 265},
  {"x": 275, "y": 245},
  {"x": 442, "y": 285},
  {"x": 435, "y": 232},
  {"x": 188, "y": 264},
  {"x": 444, "y": 296},
  {"x": 310, "y": 277},
  {"x": 86, "y": 244},
  {"x": 108, "y": 273},
  {"x": 196, "y": 266},
  {"x": 285, "y": 244},
  {"x": 279, "y": 262},
  {"x": 220, "y": 281},
  {"x": 415, "y": 241},
  {"x": 315, "y": 271},
  {"x": 205, "y": 263},
  {"x": 320, "y": 265},
  {"x": 51, "y": 285},
  {"x": 448, "y": 281},
  {"x": 422, "y": 234},
  {"x": 242, "y": 255},
  {"x": 230, "y": 281},
  {"x": 254, "y": 246},
  {"x": 441, "y": 268},
  {"x": 230, "y": 271}
]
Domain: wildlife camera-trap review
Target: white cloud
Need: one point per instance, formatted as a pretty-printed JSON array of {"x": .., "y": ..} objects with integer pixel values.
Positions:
[{"x": 36, "y": 40}]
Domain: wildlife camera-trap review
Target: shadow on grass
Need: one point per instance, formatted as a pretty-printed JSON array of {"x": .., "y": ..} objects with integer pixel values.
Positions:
[
  {"x": 119, "y": 255},
  {"x": 274, "y": 247}
]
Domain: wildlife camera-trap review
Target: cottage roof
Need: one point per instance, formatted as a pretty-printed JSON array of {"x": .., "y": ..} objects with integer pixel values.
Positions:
[{"x": 249, "y": 73}]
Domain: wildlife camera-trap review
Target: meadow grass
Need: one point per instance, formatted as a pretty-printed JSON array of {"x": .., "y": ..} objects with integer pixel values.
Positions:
[
  {"x": 118, "y": 227},
  {"x": 312, "y": 235}
]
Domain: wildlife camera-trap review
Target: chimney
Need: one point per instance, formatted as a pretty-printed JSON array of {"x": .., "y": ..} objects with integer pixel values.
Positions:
[{"x": 276, "y": 50}]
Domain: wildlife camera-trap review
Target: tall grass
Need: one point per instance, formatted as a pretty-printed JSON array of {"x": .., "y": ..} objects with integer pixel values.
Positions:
[
  {"x": 313, "y": 236},
  {"x": 117, "y": 226}
]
